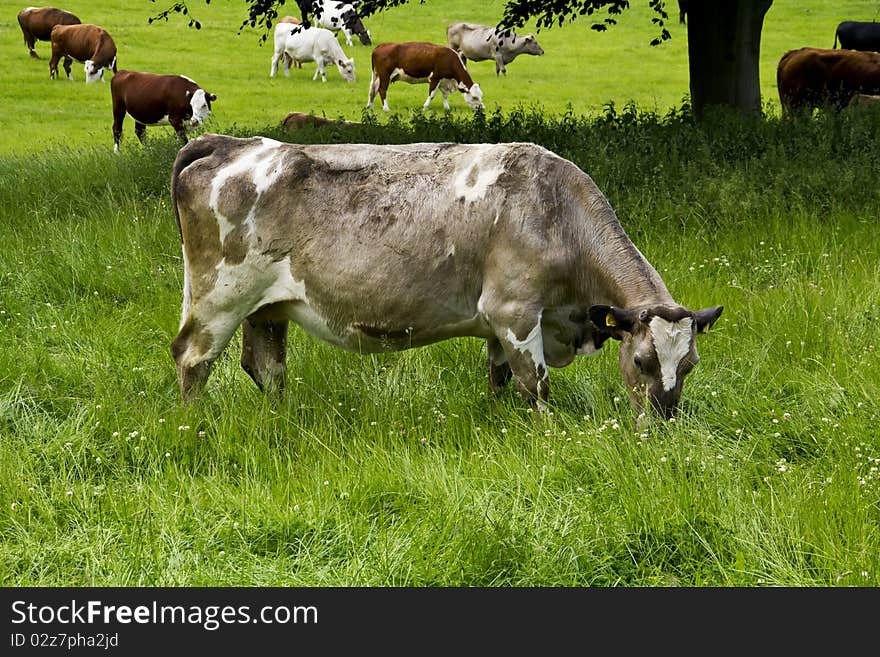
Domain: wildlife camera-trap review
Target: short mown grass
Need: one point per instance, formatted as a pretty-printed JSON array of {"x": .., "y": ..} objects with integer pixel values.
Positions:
[{"x": 398, "y": 469}]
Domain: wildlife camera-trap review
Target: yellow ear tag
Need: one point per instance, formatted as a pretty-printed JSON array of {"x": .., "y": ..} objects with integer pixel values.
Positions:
[{"x": 609, "y": 320}]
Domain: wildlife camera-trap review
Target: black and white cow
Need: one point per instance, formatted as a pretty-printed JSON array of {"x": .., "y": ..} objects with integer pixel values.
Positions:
[
  {"x": 340, "y": 16},
  {"x": 383, "y": 248}
]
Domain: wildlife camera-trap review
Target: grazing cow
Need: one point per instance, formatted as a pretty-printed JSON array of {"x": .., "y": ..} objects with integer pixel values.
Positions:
[
  {"x": 37, "y": 23},
  {"x": 377, "y": 248},
  {"x": 297, "y": 120},
  {"x": 335, "y": 16},
  {"x": 419, "y": 61},
  {"x": 856, "y": 35},
  {"x": 152, "y": 99},
  {"x": 811, "y": 78},
  {"x": 479, "y": 43},
  {"x": 85, "y": 43},
  {"x": 312, "y": 44}
]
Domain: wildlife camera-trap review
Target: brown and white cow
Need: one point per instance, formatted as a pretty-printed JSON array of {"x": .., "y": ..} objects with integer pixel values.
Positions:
[
  {"x": 87, "y": 43},
  {"x": 152, "y": 99},
  {"x": 417, "y": 62},
  {"x": 810, "y": 78},
  {"x": 382, "y": 248},
  {"x": 37, "y": 23}
]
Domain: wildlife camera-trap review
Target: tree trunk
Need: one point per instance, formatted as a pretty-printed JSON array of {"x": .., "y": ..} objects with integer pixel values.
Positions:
[{"x": 724, "y": 45}]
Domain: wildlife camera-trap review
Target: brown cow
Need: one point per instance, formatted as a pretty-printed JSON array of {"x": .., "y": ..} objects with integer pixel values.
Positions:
[
  {"x": 152, "y": 99},
  {"x": 421, "y": 61},
  {"x": 37, "y": 23},
  {"x": 85, "y": 43},
  {"x": 298, "y": 120},
  {"x": 810, "y": 78}
]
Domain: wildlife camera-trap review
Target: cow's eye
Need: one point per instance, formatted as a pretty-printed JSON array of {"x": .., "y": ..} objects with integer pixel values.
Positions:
[{"x": 637, "y": 361}]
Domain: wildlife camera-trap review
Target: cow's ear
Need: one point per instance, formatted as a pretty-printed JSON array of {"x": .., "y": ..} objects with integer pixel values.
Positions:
[
  {"x": 611, "y": 320},
  {"x": 707, "y": 317},
  {"x": 211, "y": 97}
]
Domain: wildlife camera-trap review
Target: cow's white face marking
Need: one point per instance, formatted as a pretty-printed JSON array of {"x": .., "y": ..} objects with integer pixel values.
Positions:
[
  {"x": 259, "y": 165},
  {"x": 487, "y": 171},
  {"x": 474, "y": 97},
  {"x": 672, "y": 342},
  {"x": 200, "y": 108}
]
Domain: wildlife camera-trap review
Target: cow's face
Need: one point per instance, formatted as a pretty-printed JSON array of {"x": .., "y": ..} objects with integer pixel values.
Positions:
[
  {"x": 473, "y": 96},
  {"x": 92, "y": 71},
  {"x": 658, "y": 349},
  {"x": 201, "y": 106},
  {"x": 346, "y": 68},
  {"x": 532, "y": 47}
]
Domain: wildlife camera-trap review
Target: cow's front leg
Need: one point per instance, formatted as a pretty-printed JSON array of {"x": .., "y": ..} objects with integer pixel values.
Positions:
[
  {"x": 499, "y": 65},
  {"x": 521, "y": 339},
  {"x": 67, "y": 62},
  {"x": 197, "y": 345},
  {"x": 177, "y": 124},
  {"x": 264, "y": 352},
  {"x": 432, "y": 89},
  {"x": 497, "y": 365}
]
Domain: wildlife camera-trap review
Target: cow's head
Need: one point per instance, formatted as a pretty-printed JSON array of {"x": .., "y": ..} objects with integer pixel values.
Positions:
[
  {"x": 93, "y": 71},
  {"x": 473, "y": 96},
  {"x": 532, "y": 47},
  {"x": 346, "y": 68},
  {"x": 658, "y": 349},
  {"x": 200, "y": 102}
]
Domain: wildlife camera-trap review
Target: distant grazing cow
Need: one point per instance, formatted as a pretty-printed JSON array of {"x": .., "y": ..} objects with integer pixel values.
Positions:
[
  {"x": 297, "y": 120},
  {"x": 85, "y": 43},
  {"x": 856, "y": 35},
  {"x": 383, "y": 248},
  {"x": 37, "y": 23},
  {"x": 417, "y": 62},
  {"x": 811, "y": 78},
  {"x": 480, "y": 42},
  {"x": 314, "y": 44},
  {"x": 152, "y": 99},
  {"x": 336, "y": 16}
]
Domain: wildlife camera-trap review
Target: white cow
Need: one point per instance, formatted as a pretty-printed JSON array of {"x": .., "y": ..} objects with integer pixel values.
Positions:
[
  {"x": 480, "y": 42},
  {"x": 336, "y": 16},
  {"x": 313, "y": 44}
]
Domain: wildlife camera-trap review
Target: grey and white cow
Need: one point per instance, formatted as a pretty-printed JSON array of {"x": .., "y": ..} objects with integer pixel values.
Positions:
[
  {"x": 382, "y": 248},
  {"x": 481, "y": 42}
]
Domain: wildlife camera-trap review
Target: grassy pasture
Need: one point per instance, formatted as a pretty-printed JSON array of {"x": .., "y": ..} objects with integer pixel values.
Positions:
[
  {"x": 397, "y": 469},
  {"x": 581, "y": 67}
]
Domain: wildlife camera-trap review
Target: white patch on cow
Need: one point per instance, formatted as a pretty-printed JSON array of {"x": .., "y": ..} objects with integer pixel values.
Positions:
[
  {"x": 188, "y": 79},
  {"x": 672, "y": 342},
  {"x": 187, "y": 292},
  {"x": 487, "y": 168},
  {"x": 450, "y": 250},
  {"x": 399, "y": 74},
  {"x": 259, "y": 165}
]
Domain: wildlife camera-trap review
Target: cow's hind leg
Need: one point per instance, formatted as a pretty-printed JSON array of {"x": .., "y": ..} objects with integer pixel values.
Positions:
[
  {"x": 264, "y": 352},
  {"x": 499, "y": 368}
]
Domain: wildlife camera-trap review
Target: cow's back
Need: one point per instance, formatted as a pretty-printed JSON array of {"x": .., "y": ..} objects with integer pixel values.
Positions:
[{"x": 39, "y": 21}]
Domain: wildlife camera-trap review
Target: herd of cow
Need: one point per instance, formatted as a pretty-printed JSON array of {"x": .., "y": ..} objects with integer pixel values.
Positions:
[{"x": 387, "y": 247}]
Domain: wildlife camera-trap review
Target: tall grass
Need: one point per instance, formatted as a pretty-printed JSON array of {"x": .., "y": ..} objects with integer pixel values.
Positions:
[{"x": 398, "y": 469}]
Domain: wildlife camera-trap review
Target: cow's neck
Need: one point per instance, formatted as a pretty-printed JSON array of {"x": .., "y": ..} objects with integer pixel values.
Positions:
[{"x": 618, "y": 274}]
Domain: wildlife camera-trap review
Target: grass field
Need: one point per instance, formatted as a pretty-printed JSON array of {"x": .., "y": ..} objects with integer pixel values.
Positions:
[
  {"x": 398, "y": 469},
  {"x": 581, "y": 67}
]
